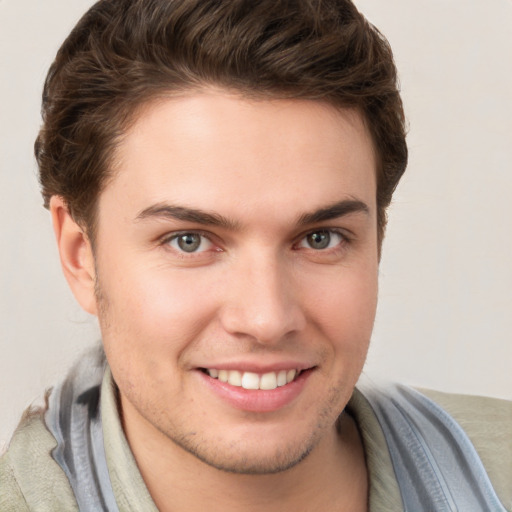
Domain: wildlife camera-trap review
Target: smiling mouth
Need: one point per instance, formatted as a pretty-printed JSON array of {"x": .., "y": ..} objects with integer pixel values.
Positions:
[{"x": 251, "y": 380}]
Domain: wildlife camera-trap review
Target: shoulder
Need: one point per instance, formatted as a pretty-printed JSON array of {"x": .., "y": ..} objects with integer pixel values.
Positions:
[
  {"x": 29, "y": 477},
  {"x": 445, "y": 448},
  {"x": 488, "y": 424}
]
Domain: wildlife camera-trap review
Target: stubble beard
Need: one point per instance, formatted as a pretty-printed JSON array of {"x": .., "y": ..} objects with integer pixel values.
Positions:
[
  {"x": 229, "y": 457},
  {"x": 282, "y": 459}
]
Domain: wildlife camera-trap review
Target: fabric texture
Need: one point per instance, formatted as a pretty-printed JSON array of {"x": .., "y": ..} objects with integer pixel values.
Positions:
[
  {"x": 436, "y": 465},
  {"x": 74, "y": 419},
  {"x": 75, "y": 456}
]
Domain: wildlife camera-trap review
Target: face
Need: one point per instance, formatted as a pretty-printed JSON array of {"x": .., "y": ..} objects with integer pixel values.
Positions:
[{"x": 236, "y": 261}]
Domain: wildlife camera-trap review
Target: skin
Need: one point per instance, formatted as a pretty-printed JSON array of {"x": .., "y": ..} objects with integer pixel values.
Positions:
[{"x": 255, "y": 292}]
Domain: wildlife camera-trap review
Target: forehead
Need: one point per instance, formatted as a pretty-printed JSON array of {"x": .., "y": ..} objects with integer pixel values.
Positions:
[{"x": 220, "y": 151}]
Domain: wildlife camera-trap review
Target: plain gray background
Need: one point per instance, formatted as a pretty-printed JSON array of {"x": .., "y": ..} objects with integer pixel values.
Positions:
[{"x": 445, "y": 313}]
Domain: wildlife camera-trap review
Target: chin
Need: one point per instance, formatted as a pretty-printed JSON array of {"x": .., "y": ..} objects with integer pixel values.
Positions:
[
  {"x": 256, "y": 458},
  {"x": 254, "y": 463}
]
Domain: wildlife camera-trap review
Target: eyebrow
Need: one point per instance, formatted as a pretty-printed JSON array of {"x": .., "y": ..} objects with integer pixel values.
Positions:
[
  {"x": 171, "y": 212},
  {"x": 334, "y": 211}
]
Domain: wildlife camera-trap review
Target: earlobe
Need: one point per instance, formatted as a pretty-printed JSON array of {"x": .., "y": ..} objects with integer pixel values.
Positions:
[{"x": 76, "y": 255}]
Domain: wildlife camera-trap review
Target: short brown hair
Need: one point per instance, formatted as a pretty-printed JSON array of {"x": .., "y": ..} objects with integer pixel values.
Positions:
[{"x": 123, "y": 53}]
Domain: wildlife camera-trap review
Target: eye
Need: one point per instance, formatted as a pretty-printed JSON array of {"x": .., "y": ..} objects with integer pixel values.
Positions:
[
  {"x": 189, "y": 242},
  {"x": 322, "y": 239}
]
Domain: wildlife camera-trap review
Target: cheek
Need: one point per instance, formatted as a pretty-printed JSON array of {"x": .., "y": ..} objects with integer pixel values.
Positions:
[
  {"x": 345, "y": 309},
  {"x": 148, "y": 321},
  {"x": 155, "y": 308}
]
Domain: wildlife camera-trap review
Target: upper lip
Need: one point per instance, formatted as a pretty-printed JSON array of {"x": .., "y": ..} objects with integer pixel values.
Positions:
[{"x": 258, "y": 367}]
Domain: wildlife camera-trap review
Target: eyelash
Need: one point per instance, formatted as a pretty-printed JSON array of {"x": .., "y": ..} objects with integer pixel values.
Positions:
[
  {"x": 344, "y": 240},
  {"x": 166, "y": 241}
]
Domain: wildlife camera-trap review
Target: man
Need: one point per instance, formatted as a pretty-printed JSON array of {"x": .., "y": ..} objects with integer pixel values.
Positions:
[{"x": 218, "y": 175}]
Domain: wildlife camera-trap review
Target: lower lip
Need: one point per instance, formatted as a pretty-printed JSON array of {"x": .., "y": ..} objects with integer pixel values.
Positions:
[{"x": 257, "y": 400}]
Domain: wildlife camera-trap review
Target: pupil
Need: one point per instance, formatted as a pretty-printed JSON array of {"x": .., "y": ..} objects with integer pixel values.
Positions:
[
  {"x": 319, "y": 240},
  {"x": 189, "y": 243}
]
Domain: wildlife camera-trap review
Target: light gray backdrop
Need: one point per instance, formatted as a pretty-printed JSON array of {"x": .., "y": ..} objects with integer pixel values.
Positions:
[{"x": 445, "y": 314}]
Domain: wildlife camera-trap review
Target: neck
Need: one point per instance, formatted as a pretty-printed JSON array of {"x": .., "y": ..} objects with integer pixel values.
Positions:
[{"x": 332, "y": 477}]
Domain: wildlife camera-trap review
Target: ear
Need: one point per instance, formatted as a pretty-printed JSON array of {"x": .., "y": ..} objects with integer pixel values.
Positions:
[{"x": 76, "y": 256}]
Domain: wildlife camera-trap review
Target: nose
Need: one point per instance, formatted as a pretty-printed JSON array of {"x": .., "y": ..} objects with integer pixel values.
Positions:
[{"x": 262, "y": 302}]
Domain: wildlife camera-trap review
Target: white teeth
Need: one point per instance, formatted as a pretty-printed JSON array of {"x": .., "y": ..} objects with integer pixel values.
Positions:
[
  {"x": 235, "y": 378},
  {"x": 268, "y": 381},
  {"x": 250, "y": 380}
]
